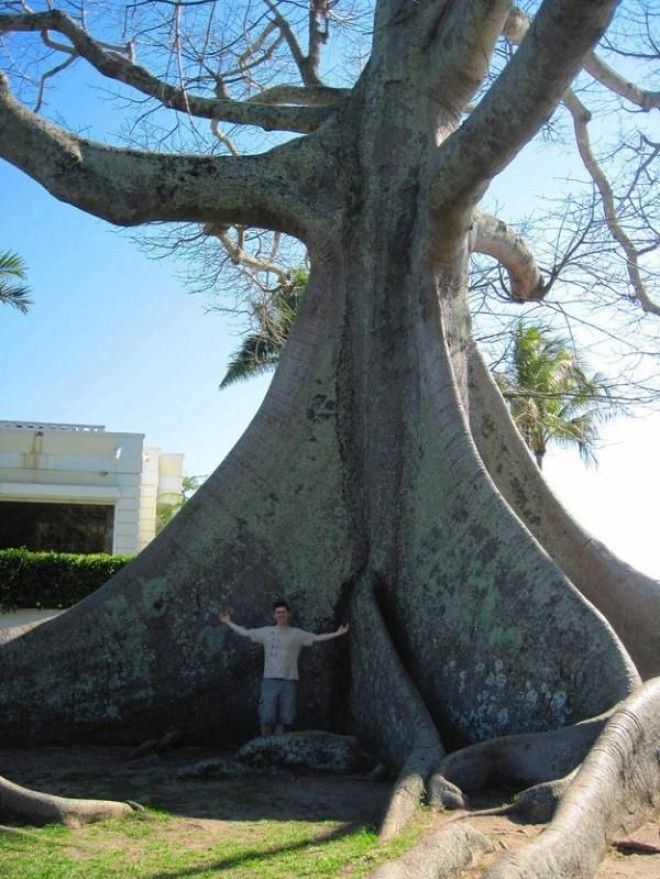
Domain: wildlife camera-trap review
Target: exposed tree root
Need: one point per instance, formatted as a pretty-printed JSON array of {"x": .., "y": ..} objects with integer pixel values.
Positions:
[
  {"x": 535, "y": 805},
  {"x": 522, "y": 760},
  {"x": 628, "y": 599},
  {"x": 23, "y": 804},
  {"x": 615, "y": 791},
  {"x": 389, "y": 710},
  {"x": 443, "y": 854}
]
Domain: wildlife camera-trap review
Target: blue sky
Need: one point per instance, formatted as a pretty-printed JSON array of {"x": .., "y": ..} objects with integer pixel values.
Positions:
[{"x": 113, "y": 338}]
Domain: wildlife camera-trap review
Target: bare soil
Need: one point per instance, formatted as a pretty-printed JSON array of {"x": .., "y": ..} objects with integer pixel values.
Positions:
[{"x": 211, "y": 803}]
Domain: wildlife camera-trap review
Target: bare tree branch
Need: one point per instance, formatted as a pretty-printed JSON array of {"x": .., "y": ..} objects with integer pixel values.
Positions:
[
  {"x": 612, "y": 80},
  {"x": 240, "y": 256},
  {"x": 308, "y": 65},
  {"x": 581, "y": 118},
  {"x": 120, "y": 68},
  {"x": 318, "y": 36}
]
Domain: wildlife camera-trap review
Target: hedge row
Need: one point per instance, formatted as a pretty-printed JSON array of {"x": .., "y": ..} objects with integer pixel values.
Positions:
[{"x": 52, "y": 579}]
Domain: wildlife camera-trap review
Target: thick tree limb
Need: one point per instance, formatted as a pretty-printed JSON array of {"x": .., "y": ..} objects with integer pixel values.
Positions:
[
  {"x": 128, "y": 187},
  {"x": 517, "y": 25},
  {"x": 616, "y": 790},
  {"x": 460, "y": 57},
  {"x": 120, "y": 68},
  {"x": 521, "y": 99},
  {"x": 493, "y": 237},
  {"x": 308, "y": 96}
]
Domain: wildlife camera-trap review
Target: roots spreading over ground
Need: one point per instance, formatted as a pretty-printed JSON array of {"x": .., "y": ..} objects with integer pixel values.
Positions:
[{"x": 22, "y": 804}]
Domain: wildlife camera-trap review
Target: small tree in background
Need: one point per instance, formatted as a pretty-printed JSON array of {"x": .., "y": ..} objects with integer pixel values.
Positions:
[
  {"x": 260, "y": 350},
  {"x": 13, "y": 269},
  {"x": 166, "y": 511},
  {"x": 551, "y": 395}
]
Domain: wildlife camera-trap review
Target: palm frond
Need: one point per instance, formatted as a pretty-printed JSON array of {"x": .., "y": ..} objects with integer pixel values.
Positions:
[
  {"x": 13, "y": 268},
  {"x": 550, "y": 394},
  {"x": 256, "y": 355},
  {"x": 260, "y": 351}
]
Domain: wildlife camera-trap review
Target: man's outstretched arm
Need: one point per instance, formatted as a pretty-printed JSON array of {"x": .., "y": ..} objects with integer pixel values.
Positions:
[
  {"x": 240, "y": 630},
  {"x": 328, "y": 636}
]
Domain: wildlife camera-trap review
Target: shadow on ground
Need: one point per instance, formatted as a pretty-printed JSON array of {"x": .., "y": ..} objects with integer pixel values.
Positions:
[{"x": 109, "y": 773}]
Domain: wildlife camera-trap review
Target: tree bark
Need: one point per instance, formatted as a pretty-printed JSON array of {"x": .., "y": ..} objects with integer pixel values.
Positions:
[{"x": 628, "y": 599}]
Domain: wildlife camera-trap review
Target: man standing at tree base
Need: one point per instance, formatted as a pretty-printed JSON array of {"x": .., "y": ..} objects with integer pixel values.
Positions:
[{"x": 282, "y": 644}]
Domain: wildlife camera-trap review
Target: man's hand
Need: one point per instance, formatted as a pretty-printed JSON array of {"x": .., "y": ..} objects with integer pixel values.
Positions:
[
  {"x": 342, "y": 629},
  {"x": 224, "y": 618}
]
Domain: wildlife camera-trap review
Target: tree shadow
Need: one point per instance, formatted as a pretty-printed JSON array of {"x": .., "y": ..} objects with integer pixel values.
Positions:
[{"x": 108, "y": 773}]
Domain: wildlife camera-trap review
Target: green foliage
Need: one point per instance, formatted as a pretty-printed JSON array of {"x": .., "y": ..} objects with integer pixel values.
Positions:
[
  {"x": 145, "y": 848},
  {"x": 260, "y": 351},
  {"x": 52, "y": 579},
  {"x": 12, "y": 268},
  {"x": 550, "y": 394},
  {"x": 165, "y": 512}
]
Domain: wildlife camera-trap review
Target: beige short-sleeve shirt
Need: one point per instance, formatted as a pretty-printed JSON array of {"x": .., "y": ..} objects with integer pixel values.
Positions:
[{"x": 282, "y": 645}]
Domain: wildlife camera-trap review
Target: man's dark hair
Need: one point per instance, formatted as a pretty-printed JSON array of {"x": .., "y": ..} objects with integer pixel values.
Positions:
[{"x": 281, "y": 603}]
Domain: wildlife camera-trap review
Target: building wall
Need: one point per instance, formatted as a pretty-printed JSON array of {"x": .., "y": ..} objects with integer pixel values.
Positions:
[{"x": 76, "y": 463}]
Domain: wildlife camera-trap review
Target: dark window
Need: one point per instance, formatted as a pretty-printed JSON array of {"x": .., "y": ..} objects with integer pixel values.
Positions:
[{"x": 58, "y": 527}]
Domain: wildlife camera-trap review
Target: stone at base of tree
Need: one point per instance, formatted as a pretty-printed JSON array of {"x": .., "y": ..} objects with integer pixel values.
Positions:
[
  {"x": 442, "y": 854},
  {"x": 311, "y": 749}
]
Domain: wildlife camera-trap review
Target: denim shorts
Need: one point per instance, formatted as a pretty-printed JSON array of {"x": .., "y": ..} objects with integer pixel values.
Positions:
[{"x": 278, "y": 702}]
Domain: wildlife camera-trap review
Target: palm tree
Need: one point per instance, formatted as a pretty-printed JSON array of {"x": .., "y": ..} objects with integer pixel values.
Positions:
[
  {"x": 260, "y": 350},
  {"x": 551, "y": 396},
  {"x": 12, "y": 268}
]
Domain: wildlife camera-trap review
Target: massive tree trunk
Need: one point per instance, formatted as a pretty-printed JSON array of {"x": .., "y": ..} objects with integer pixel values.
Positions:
[
  {"x": 359, "y": 483},
  {"x": 359, "y": 466}
]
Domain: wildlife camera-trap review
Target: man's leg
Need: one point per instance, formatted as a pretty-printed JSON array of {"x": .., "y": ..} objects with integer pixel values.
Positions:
[
  {"x": 286, "y": 706},
  {"x": 268, "y": 706}
]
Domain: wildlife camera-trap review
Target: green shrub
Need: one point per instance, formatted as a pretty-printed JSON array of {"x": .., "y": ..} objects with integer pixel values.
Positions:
[{"x": 52, "y": 579}]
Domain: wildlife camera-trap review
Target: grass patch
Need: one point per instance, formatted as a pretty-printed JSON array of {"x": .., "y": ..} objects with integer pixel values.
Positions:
[{"x": 154, "y": 845}]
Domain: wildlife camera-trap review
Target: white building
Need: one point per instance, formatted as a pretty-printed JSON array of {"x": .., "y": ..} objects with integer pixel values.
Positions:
[{"x": 80, "y": 488}]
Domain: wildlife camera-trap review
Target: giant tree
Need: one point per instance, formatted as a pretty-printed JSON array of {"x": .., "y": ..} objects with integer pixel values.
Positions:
[{"x": 382, "y": 476}]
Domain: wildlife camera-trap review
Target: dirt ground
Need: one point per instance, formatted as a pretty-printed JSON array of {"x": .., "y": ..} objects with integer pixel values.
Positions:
[{"x": 109, "y": 773}]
